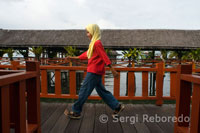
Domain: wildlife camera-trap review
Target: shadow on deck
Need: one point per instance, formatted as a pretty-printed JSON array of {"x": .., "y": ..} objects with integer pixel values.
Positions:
[{"x": 140, "y": 118}]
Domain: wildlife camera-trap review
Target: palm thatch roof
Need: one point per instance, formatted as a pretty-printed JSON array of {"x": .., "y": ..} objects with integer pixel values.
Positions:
[{"x": 114, "y": 39}]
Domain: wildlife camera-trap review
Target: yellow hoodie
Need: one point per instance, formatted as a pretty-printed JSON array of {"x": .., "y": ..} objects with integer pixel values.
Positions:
[{"x": 94, "y": 30}]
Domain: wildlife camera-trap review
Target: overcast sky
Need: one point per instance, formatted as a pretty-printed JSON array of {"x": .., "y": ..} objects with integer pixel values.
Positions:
[{"x": 109, "y": 14}]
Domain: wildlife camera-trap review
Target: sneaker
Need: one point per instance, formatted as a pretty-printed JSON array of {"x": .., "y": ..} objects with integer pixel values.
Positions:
[
  {"x": 72, "y": 114},
  {"x": 118, "y": 110}
]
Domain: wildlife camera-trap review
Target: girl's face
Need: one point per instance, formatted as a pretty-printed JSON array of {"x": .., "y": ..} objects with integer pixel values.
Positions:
[{"x": 89, "y": 35}]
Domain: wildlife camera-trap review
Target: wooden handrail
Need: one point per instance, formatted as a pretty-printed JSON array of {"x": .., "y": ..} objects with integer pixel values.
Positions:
[
  {"x": 190, "y": 78},
  {"x": 184, "y": 90},
  {"x": 14, "y": 77},
  {"x": 116, "y": 90},
  {"x": 13, "y": 85}
]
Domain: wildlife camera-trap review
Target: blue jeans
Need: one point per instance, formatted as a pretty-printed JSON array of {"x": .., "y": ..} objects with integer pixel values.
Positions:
[{"x": 92, "y": 81}]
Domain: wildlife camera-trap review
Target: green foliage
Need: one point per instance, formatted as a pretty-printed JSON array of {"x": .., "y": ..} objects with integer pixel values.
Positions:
[
  {"x": 194, "y": 55},
  {"x": 71, "y": 51},
  {"x": 2, "y": 52},
  {"x": 10, "y": 52},
  {"x": 184, "y": 55},
  {"x": 108, "y": 51},
  {"x": 164, "y": 54},
  {"x": 37, "y": 51},
  {"x": 150, "y": 55},
  {"x": 133, "y": 54},
  {"x": 179, "y": 54}
]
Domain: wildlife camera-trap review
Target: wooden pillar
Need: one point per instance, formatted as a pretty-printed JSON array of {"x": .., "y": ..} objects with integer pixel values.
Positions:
[
  {"x": 33, "y": 95},
  {"x": 103, "y": 79},
  {"x": 44, "y": 82},
  {"x": 15, "y": 65},
  {"x": 173, "y": 84},
  {"x": 183, "y": 96},
  {"x": 117, "y": 86},
  {"x": 19, "y": 107},
  {"x": 145, "y": 84},
  {"x": 131, "y": 84},
  {"x": 5, "y": 109},
  {"x": 72, "y": 82},
  {"x": 195, "y": 115},
  {"x": 159, "y": 84},
  {"x": 57, "y": 82}
]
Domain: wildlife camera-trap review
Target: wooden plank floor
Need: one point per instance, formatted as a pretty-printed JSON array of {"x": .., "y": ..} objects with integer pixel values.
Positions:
[{"x": 96, "y": 118}]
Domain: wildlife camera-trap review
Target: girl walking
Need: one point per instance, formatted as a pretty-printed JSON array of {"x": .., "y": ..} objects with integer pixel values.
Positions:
[{"x": 97, "y": 59}]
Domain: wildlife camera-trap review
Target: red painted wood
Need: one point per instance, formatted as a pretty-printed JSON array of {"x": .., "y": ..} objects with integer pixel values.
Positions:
[
  {"x": 195, "y": 115},
  {"x": 131, "y": 84},
  {"x": 145, "y": 84},
  {"x": 44, "y": 81},
  {"x": 5, "y": 109},
  {"x": 159, "y": 84},
  {"x": 183, "y": 97},
  {"x": 33, "y": 95},
  {"x": 57, "y": 82},
  {"x": 173, "y": 84},
  {"x": 72, "y": 82},
  {"x": 117, "y": 86}
]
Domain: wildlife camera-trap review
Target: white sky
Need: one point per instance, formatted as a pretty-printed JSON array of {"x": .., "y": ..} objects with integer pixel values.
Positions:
[{"x": 109, "y": 14}]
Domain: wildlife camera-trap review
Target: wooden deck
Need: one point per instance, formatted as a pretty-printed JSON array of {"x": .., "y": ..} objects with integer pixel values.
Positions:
[{"x": 53, "y": 120}]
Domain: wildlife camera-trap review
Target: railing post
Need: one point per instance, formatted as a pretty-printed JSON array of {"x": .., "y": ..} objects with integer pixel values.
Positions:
[
  {"x": 72, "y": 82},
  {"x": 57, "y": 82},
  {"x": 44, "y": 82},
  {"x": 5, "y": 109},
  {"x": 145, "y": 84},
  {"x": 173, "y": 84},
  {"x": 15, "y": 65},
  {"x": 103, "y": 79},
  {"x": 159, "y": 84},
  {"x": 20, "y": 107},
  {"x": 117, "y": 86},
  {"x": 195, "y": 115},
  {"x": 33, "y": 95},
  {"x": 131, "y": 84},
  {"x": 183, "y": 96}
]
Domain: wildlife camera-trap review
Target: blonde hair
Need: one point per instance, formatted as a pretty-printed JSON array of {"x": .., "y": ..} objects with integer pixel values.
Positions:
[{"x": 94, "y": 30}]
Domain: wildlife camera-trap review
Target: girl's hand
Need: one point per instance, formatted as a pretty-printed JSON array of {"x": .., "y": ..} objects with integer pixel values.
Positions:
[
  {"x": 114, "y": 72},
  {"x": 69, "y": 58}
]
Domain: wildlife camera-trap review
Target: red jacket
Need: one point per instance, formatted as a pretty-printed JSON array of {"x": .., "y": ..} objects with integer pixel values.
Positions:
[{"x": 98, "y": 60}]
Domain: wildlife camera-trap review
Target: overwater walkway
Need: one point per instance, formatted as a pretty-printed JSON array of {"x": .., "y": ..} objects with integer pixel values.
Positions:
[{"x": 96, "y": 118}]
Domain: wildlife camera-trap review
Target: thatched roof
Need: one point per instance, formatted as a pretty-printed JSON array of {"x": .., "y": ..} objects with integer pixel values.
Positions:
[{"x": 115, "y": 39}]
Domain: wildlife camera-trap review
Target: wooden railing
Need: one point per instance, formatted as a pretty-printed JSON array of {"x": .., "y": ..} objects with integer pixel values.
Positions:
[
  {"x": 159, "y": 70},
  {"x": 188, "y": 84},
  {"x": 116, "y": 84},
  {"x": 14, "y": 86}
]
